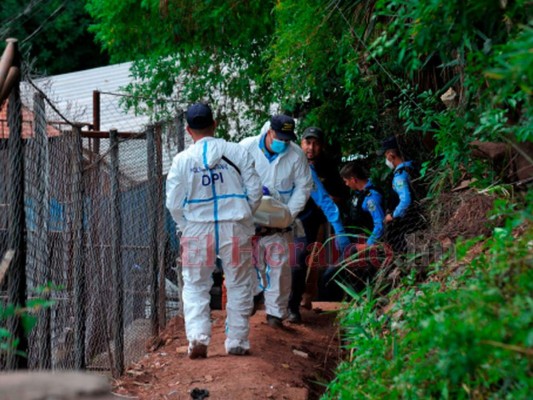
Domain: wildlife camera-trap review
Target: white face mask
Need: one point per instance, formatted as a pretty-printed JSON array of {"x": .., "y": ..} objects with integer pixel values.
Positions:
[{"x": 389, "y": 163}]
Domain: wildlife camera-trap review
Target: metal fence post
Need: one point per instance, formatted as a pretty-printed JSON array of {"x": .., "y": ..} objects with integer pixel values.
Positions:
[
  {"x": 116, "y": 255},
  {"x": 152, "y": 229}
]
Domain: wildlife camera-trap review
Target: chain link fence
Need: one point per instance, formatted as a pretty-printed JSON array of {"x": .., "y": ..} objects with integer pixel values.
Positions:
[{"x": 84, "y": 212}]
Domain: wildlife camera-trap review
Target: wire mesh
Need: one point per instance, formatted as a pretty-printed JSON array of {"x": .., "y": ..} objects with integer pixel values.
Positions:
[
  {"x": 13, "y": 232},
  {"x": 75, "y": 255}
]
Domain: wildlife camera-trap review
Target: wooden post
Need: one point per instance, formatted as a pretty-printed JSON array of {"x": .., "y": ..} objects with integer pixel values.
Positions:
[
  {"x": 43, "y": 213},
  {"x": 180, "y": 126},
  {"x": 17, "y": 236},
  {"x": 152, "y": 227},
  {"x": 116, "y": 255},
  {"x": 96, "y": 120},
  {"x": 77, "y": 251},
  {"x": 161, "y": 232}
]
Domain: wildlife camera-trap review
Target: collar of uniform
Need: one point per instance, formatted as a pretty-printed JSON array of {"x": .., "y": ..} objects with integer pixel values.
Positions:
[
  {"x": 369, "y": 184},
  {"x": 404, "y": 164},
  {"x": 262, "y": 145},
  {"x": 205, "y": 138}
]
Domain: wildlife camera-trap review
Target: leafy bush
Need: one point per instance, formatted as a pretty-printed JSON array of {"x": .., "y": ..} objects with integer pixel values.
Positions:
[
  {"x": 27, "y": 316},
  {"x": 457, "y": 336}
]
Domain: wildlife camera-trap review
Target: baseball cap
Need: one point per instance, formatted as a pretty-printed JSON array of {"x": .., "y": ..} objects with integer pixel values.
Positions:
[
  {"x": 284, "y": 127},
  {"x": 387, "y": 144},
  {"x": 199, "y": 116},
  {"x": 313, "y": 132}
]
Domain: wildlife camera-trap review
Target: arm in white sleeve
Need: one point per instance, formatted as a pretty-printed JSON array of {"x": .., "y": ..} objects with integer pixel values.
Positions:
[
  {"x": 303, "y": 183},
  {"x": 252, "y": 182},
  {"x": 176, "y": 193}
]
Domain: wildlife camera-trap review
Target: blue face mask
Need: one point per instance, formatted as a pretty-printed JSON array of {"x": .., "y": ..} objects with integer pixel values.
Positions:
[{"x": 278, "y": 146}]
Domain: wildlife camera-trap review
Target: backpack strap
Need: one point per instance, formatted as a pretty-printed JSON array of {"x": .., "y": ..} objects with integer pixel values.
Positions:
[{"x": 232, "y": 164}]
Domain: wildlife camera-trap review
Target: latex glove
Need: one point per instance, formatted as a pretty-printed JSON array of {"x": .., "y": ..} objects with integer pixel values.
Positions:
[
  {"x": 361, "y": 246},
  {"x": 342, "y": 242},
  {"x": 266, "y": 192}
]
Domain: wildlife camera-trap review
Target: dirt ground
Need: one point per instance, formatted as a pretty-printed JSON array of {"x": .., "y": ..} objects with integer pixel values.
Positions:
[{"x": 292, "y": 363}]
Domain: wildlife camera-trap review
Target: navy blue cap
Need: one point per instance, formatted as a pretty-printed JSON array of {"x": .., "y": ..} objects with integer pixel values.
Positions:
[
  {"x": 284, "y": 127},
  {"x": 387, "y": 144},
  {"x": 313, "y": 132},
  {"x": 199, "y": 116}
]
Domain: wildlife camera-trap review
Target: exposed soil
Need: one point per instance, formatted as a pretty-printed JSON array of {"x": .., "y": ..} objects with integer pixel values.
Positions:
[
  {"x": 470, "y": 218},
  {"x": 293, "y": 363},
  {"x": 290, "y": 363}
]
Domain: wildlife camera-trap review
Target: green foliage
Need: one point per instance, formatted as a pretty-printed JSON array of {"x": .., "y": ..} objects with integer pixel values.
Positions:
[
  {"x": 359, "y": 69},
  {"x": 364, "y": 70},
  {"x": 254, "y": 54},
  {"x": 180, "y": 26},
  {"x": 416, "y": 31},
  {"x": 479, "y": 48},
  {"x": 454, "y": 336},
  {"x": 217, "y": 45},
  {"x": 316, "y": 70},
  {"x": 27, "y": 316},
  {"x": 52, "y": 34}
]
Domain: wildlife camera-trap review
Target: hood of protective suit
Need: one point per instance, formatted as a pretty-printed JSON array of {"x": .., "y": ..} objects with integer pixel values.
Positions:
[
  {"x": 208, "y": 151},
  {"x": 265, "y": 128}
]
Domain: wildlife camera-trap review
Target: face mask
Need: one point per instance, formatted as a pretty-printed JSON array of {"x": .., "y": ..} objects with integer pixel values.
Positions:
[
  {"x": 389, "y": 164},
  {"x": 278, "y": 146}
]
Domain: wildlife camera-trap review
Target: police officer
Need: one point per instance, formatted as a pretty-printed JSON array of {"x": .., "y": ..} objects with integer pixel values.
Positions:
[
  {"x": 325, "y": 166},
  {"x": 212, "y": 192},
  {"x": 366, "y": 211},
  {"x": 403, "y": 211},
  {"x": 320, "y": 209}
]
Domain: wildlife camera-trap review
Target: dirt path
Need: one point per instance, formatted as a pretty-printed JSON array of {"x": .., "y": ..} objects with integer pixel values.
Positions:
[{"x": 289, "y": 363}]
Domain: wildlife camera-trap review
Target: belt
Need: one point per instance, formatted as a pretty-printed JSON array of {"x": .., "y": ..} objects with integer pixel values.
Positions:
[{"x": 267, "y": 231}]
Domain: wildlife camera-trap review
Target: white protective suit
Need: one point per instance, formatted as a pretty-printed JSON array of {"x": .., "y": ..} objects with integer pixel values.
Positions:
[
  {"x": 288, "y": 179},
  {"x": 212, "y": 192}
]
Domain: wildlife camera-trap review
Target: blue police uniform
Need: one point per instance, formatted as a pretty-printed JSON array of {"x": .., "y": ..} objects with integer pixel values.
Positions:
[
  {"x": 372, "y": 205},
  {"x": 401, "y": 185},
  {"x": 366, "y": 213},
  {"x": 323, "y": 200},
  {"x": 319, "y": 209},
  {"x": 403, "y": 206}
]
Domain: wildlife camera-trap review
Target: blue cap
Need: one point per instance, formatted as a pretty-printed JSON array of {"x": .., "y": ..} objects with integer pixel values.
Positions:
[
  {"x": 284, "y": 127},
  {"x": 199, "y": 116},
  {"x": 387, "y": 144}
]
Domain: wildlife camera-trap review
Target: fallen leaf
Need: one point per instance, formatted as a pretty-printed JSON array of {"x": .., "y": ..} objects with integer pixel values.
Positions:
[
  {"x": 182, "y": 349},
  {"x": 135, "y": 373},
  {"x": 300, "y": 353}
]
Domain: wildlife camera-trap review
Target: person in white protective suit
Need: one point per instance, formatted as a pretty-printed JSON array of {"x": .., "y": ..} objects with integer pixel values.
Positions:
[
  {"x": 286, "y": 177},
  {"x": 212, "y": 192}
]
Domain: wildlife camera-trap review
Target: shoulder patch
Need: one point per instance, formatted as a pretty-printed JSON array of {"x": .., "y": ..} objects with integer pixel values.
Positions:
[
  {"x": 400, "y": 182},
  {"x": 371, "y": 204}
]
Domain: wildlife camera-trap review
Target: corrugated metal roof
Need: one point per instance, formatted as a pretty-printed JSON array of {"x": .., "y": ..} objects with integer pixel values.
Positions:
[{"x": 72, "y": 94}]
